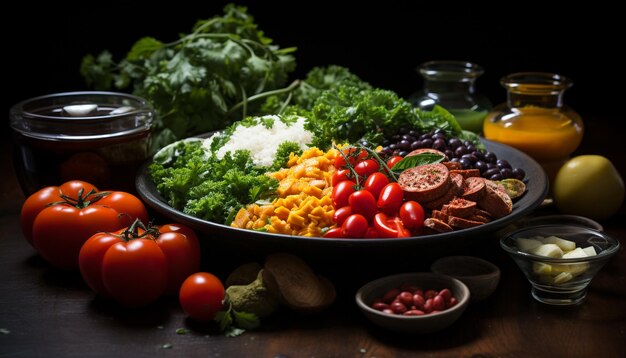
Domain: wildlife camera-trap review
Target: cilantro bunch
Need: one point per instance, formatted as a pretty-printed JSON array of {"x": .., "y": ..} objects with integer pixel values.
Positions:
[{"x": 194, "y": 82}]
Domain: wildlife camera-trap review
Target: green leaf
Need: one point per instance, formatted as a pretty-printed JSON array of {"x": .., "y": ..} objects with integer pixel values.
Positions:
[
  {"x": 247, "y": 320},
  {"x": 417, "y": 160},
  {"x": 224, "y": 320},
  {"x": 143, "y": 48}
]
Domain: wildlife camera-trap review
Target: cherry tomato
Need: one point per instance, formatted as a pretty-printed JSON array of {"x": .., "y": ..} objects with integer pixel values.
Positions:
[
  {"x": 390, "y": 198},
  {"x": 334, "y": 233},
  {"x": 375, "y": 183},
  {"x": 339, "y": 176},
  {"x": 341, "y": 192},
  {"x": 351, "y": 154},
  {"x": 412, "y": 215},
  {"x": 366, "y": 167},
  {"x": 371, "y": 233},
  {"x": 342, "y": 214},
  {"x": 363, "y": 202},
  {"x": 355, "y": 226},
  {"x": 389, "y": 227},
  {"x": 393, "y": 161},
  {"x": 201, "y": 296},
  {"x": 58, "y": 231}
]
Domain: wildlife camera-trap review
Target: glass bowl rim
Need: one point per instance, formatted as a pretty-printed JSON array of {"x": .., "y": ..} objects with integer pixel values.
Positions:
[{"x": 601, "y": 255}]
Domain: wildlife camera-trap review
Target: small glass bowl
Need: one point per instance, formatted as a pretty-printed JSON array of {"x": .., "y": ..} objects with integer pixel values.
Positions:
[{"x": 559, "y": 281}]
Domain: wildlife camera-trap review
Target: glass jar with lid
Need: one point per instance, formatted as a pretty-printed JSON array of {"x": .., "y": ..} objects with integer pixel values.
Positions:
[
  {"x": 451, "y": 84},
  {"x": 98, "y": 137},
  {"x": 535, "y": 120}
]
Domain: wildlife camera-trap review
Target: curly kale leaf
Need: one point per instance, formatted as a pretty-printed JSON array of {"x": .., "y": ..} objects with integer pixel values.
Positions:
[{"x": 204, "y": 186}]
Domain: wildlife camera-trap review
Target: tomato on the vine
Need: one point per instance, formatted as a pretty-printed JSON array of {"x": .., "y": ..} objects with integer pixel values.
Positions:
[
  {"x": 352, "y": 155},
  {"x": 355, "y": 226},
  {"x": 366, "y": 167},
  {"x": 339, "y": 175},
  {"x": 342, "y": 214},
  {"x": 390, "y": 198},
  {"x": 393, "y": 161},
  {"x": 341, "y": 192},
  {"x": 58, "y": 220},
  {"x": 375, "y": 183},
  {"x": 363, "y": 202},
  {"x": 201, "y": 296},
  {"x": 134, "y": 266}
]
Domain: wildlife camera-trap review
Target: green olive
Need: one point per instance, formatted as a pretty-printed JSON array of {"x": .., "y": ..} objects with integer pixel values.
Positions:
[{"x": 589, "y": 185}]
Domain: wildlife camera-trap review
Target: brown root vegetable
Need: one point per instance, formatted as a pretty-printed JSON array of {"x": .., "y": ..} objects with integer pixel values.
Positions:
[
  {"x": 295, "y": 284},
  {"x": 243, "y": 275}
]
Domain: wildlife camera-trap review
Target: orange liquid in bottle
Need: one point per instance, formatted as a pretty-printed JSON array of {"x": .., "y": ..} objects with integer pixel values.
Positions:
[{"x": 544, "y": 134}]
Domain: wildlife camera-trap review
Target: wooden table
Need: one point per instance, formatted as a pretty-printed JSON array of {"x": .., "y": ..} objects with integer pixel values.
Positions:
[{"x": 47, "y": 313}]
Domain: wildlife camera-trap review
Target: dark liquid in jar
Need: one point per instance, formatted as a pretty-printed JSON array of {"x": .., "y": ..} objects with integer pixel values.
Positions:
[{"x": 106, "y": 163}]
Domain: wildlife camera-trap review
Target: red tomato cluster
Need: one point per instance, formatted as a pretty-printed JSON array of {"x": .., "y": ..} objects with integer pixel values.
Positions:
[
  {"x": 373, "y": 208},
  {"x": 135, "y": 267},
  {"x": 58, "y": 220},
  {"x": 410, "y": 300}
]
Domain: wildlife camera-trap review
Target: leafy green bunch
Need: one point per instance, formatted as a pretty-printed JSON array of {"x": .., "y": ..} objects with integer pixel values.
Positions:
[{"x": 194, "y": 82}]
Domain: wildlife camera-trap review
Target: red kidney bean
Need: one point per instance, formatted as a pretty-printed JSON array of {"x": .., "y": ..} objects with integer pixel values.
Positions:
[
  {"x": 418, "y": 301},
  {"x": 446, "y": 294},
  {"x": 380, "y": 306},
  {"x": 398, "y": 307},
  {"x": 388, "y": 311},
  {"x": 391, "y": 295},
  {"x": 428, "y": 305},
  {"x": 414, "y": 313},
  {"x": 406, "y": 298},
  {"x": 439, "y": 304},
  {"x": 430, "y": 294},
  {"x": 452, "y": 302}
]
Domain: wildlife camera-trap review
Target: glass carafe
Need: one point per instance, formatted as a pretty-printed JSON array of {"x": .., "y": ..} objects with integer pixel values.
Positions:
[
  {"x": 451, "y": 84},
  {"x": 535, "y": 120}
]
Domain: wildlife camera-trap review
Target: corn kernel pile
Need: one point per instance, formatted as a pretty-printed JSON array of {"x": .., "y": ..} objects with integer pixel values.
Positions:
[{"x": 304, "y": 206}]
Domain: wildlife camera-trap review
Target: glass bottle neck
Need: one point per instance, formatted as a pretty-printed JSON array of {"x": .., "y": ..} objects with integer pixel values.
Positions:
[
  {"x": 438, "y": 86},
  {"x": 546, "y": 100}
]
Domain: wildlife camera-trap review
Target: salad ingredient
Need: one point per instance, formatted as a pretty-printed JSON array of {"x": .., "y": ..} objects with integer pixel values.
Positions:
[
  {"x": 262, "y": 136},
  {"x": 158, "y": 260},
  {"x": 253, "y": 298},
  {"x": 295, "y": 283},
  {"x": 77, "y": 210},
  {"x": 412, "y": 215},
  {"x": 589, "y": 185},
  {"x": 194, "y": 81},
  {"x": 408, "y": 300},
  {"x": 303, "y": 206},
  {"x": 201, "y": 296},
  {"x": 206, "y": 187}
]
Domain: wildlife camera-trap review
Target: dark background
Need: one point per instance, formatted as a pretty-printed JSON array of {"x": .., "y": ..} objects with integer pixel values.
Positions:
[{"x": 383, "y": 44}]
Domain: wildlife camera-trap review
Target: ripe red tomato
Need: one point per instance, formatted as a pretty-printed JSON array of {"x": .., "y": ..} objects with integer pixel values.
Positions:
[
  {"x": 390, "y": 199},
  {"x": 341, "y": 192},
  {"x": 177, "y": 244},
  {"x": 339, "y": 176},
  {"x": 51, "y": 194},
  {"x": 58, "y": 231},
  {"x": 375, "y": 183},
  {"x": 393, "y": 161},
  {"x": 354, "y": 226},
  {"x": 342, "y": 214},
  {"x": 363, "y": 202},
  {"x": 334, "y": 233},
  {"x": 366, "y": 167},
  {"x": 412, "y": 215},
  {"x": 201, "y": 296},
  {"x": 352, "y": 155},
  {"x": 390, "y": 227}
]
